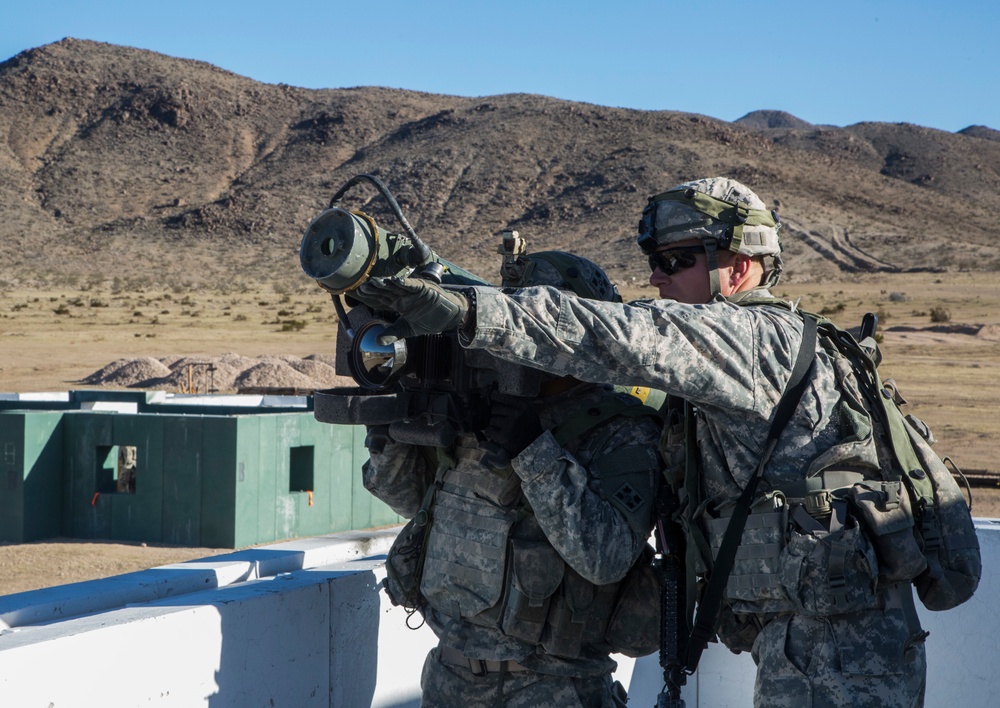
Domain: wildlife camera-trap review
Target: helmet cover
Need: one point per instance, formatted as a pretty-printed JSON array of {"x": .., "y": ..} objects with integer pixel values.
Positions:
[
  {"x": 566, "y": 271},
  {"x": 716, "y": 208}
]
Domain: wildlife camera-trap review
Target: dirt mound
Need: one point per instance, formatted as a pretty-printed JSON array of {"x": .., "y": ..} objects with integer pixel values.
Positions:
[
  {"x": 129, "y": 372},
  {"x": 227, "y": 372},
  {"x": 273, "y": 375}
]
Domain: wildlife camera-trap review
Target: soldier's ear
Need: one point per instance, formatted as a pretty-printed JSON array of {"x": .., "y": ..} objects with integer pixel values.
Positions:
[{"x": 742, "y": 271}]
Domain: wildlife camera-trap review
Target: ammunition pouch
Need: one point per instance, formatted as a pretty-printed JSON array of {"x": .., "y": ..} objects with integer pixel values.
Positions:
[
  {"x": 551, "y": 605},
  {"x": 738, "y": 631},
  {"x": 536, "y": 573},
  {"x": 822, "y": 546},
  {"x": 885, "y": 512},
  {"x": 829, "y": 571}
]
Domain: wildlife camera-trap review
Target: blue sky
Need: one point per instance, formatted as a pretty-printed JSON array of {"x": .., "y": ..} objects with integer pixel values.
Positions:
[{"x": 918, "y": 61}]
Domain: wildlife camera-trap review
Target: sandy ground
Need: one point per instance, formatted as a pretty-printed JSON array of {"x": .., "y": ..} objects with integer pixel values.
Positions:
[{"x": 28, "y": 566}]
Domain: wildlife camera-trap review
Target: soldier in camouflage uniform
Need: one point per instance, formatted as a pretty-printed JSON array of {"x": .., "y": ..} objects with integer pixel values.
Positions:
[
  {"x": 713, "y": 249},
  {"x": 524, "y": 560}
]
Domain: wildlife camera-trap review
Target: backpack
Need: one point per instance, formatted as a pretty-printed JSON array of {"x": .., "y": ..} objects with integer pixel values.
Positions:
[{"x": 942, "y": 525}]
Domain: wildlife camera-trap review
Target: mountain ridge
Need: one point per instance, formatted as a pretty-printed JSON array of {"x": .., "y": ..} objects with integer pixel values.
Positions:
[{"x": 121, "y": 162}]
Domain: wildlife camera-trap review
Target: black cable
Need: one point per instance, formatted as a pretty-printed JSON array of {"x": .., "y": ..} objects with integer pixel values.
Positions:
[{"x": 420, "y": 253}]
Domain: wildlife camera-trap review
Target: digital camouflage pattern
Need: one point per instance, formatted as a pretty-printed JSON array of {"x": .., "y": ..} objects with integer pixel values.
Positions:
[
  {"x": 732, "y": 362},
  {"x": 446, "y": 686},
  {"x": 571, "y": 532},
  {"x": 681, "y": 222},
  {"x": 832, "y": 662},
  {"x": 566, "y": 271}
]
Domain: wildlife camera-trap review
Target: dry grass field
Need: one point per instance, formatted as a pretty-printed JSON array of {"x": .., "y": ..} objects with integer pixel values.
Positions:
[
  {"x": 54, "y": 339},
  {"x": 948, "y": 369}
]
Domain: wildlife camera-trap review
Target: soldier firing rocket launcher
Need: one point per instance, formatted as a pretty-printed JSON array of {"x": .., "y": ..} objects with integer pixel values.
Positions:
[{"x": 425, "y": 389}]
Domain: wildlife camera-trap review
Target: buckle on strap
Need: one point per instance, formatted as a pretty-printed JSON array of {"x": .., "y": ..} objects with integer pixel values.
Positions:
[{"x": 478, "y": 667}]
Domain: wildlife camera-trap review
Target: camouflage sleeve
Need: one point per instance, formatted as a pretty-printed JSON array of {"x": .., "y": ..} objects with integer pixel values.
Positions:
[
  {"x": 597, "y": 534},
  {"x": 714, "y": 355},
  {"x": 398, "y": 476}
]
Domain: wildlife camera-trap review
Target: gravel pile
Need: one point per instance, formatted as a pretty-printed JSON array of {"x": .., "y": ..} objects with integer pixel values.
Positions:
[{"x": 225, "y": 373}]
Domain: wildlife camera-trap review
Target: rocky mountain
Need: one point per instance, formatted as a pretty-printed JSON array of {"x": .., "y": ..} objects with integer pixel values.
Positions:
[{"x": 119, "y": 162}]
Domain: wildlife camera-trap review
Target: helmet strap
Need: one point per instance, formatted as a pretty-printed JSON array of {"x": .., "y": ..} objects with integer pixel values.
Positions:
[
  {"x": 774, "y": 272},
  {"x": 712, "y": 256}
]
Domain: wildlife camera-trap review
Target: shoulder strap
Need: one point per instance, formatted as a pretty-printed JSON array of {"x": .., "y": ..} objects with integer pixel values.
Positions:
[{"x": 710, "y": 607}]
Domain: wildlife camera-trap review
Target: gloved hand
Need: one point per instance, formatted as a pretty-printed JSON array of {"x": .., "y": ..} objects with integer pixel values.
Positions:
[
  {"x": 424, "y": 307},
  {"x": 513, "y": 425},
  {"x": 353, "y": 298}
]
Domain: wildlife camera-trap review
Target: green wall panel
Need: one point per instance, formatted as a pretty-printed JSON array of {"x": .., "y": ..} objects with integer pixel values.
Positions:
[
  {"x": 250, "y": 521},
  {"x": 274, "y": 502},
  {"x": 183, "y": 440},
  {"x": 220, "y": 476},
  {"x": 12, "y": 479},
  {"x": 87, "y": 504},
  {"x": 343, "y": 472},
  {"x": 138, "y": 516},
  {"x": 42, "y": 459},
  {"x": 361, "y": 506},
  {"x": 312, "y": 449}
]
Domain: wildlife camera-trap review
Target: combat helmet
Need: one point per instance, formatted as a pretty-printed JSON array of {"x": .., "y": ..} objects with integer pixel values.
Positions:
[
  {"x": 566, "y": 271},
  {"x": 721, "y": 212}
]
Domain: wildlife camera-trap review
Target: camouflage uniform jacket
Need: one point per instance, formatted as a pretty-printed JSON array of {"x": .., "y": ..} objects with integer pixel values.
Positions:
[
  {"x": 560, "y": 527},
  {"x": 730, "y": 361}
]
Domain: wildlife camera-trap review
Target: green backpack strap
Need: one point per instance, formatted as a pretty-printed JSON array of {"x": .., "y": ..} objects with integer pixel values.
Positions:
[{"x": 882, "y": 398}]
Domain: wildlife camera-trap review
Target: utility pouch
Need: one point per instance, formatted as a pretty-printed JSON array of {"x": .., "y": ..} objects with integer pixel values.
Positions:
[
  {"x": 754, "y": 576},
  {"x": 578, "y": 616},
  {"x": 950, "y": 541},
  {"x": 404, "y": 563},
  {"x": 465, "y": 572},
  {"x": 536, "y": 572},
  {"x": 829, "y": 573},
  {"x": 885, "y": 513},
  {"x": 634, "y": 627},
  {"x": 738, "y": 631}
]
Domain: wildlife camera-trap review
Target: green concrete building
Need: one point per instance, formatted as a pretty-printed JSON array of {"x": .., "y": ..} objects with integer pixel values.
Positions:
[{"x": 200, "y": 471}]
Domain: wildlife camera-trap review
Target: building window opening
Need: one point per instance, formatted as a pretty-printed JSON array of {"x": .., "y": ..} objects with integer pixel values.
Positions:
[
  {"x": 117, "y": 466},
  {"x": 300, "y": 478}
]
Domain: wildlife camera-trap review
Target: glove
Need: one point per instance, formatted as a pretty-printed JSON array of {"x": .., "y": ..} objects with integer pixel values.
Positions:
[
  {"x": 513, "y": 425},
  {"x": 353, "y": 298},
  {"x": 424, "y": 307}
]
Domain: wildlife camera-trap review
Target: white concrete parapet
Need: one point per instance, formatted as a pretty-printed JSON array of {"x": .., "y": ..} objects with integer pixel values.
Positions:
[{"x": 302, "y": 624}]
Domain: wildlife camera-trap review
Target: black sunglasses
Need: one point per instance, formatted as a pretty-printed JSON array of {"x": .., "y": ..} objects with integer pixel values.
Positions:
[{"x": 673, "y": 260}]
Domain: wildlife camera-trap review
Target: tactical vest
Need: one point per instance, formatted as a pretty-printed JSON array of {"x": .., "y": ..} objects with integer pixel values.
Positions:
[{"x": 486, "y": 561}]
